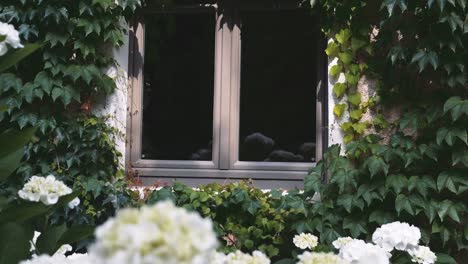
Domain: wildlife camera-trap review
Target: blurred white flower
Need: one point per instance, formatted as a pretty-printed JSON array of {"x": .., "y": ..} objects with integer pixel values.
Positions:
[
  {"x": 47, "y": 190},
  {"x": 305, "y": 240},
  {"x": 74, "y": 203},
  {"x": 11, "y": 38},
  {"x": 360, "y": 252},
  {"x": 319, "y": 258},
  {"x": 60, "y": 259},
  {"x": 400, "y": 236},
  {"x": 239, "y": 257},
  {"x": 45, "y": 259},
  {"x": 340, "y": 242},
  {"x": 422, "y": 255},
  {"x": 161, "y": 233}
]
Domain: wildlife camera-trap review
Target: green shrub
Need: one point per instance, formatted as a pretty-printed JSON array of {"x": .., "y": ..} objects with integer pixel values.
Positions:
[{"x": 245, "y": 217}]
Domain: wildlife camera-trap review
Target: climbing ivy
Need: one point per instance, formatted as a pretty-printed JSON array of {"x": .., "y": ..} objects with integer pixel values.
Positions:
[
  {"x": 55, "y": 89},
  {"x": 414, "y": 169}
]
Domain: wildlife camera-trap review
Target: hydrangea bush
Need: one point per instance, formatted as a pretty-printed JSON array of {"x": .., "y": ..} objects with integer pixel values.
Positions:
[{"x": 163, "y": 233}]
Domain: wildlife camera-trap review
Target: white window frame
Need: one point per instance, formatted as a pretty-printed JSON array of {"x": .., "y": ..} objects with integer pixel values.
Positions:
[{"x": 225, "y": 163}]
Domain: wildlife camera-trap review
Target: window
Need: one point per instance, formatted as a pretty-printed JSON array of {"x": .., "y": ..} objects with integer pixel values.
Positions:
[{"x": 227, "y": 92}]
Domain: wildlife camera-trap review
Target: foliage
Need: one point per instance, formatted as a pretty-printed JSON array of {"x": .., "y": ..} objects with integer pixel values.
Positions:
[
  {"x": 54, "y": 90},
  {"x": 245, "y": 218},
  {"x": 417, "y": 171}
]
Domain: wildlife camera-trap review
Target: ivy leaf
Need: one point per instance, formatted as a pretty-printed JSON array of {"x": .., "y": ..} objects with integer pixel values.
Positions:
[
  {"x": 375, "y": 165},
  {"x": 447, "y": 180},
  {"x": 339, "y": 89},
  {"x": 335, "y": 71},
  {"x": 44, "y": 81},
  {"x": 332, "y": 50},
  {"x": 352, "y": 79},
  {"x": 345, "y": 57},
  {"x": 381, "y": 217},
  {"x": 344, "y": 179},
  {"x": 460, "y": 157},
  {"x": 357, "y": 43},
  {"x": 447, "y": 207},
  {"x": 356, "y": 114},
  {"x": 346, "y": 201},
  {"x": 453, "y": 20},
  {"x": 55, "y": 38},
  {"x": 402, "y": 203},
  {"x": 397, "y": 182},
  {"x": 424, "y": 58},
  {"x": 343, "y": 36},
  {"x": 390, "y": 5},
  {"x": 421, "y": 184},
  {"x": 355, "y": 227},
  {"x": 456, "y": 106},
  {"x": 355, "y": 98},
  {"x": 396, "y": 53},
  {"x": 338, "y": 110},
  {"x": 360, "y": 127}
]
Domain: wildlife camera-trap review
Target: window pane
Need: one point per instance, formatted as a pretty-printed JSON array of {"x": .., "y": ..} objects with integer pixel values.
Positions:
[
  {"x": 178, "y": 86},
  {"x": 278, "y": 86}
]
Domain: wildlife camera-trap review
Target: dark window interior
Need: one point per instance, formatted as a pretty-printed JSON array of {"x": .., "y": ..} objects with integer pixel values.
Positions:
[
  {"x": 278, "y": 85},
  {"x": 178, "y": 86}
]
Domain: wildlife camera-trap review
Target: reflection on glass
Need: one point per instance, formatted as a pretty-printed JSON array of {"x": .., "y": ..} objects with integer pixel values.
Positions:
[
  {"x": 278, "y": 86},
  {"x": 178, "y": 86}
]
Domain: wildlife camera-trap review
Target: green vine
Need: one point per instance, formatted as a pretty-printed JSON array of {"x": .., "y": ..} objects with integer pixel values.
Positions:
[{"x": 55, "y": 90}]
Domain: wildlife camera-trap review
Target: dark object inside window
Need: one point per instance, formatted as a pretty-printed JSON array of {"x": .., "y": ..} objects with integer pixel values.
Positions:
[{"x": 278, "y": 85}]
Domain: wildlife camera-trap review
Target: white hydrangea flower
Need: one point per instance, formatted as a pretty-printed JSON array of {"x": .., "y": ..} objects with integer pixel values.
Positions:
[
  {"x": 47, "y": 190},
  {"x": 161, "y": 233},
  {"x": 340, "y": 242},
  {"x": 319, "y": 258},
  {"x": 360, "y": 252},
  {"x": 422, "y": 255},
  {"x": 397, "y": 235},
  {"x": 45, "y": 259},
  {"x": 239, "y": 257},
  {"x": 11, "y": 38},
  {"x": 60, "y": 259},
  {"x": 74, "y": 203},
  {"x": 305, "y": 240}
]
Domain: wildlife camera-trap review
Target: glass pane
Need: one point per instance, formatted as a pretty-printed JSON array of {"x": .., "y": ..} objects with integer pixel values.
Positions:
[
  {"x": 278, "y": 86},
  {"x": 178, "y": 86}
]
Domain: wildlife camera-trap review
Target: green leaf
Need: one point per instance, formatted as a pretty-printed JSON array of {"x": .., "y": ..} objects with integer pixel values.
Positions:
[
  {"x": 402, "y": 203},
  {"x": 356, "y": 44},
  {"x": 390, "y": 5},
  {"x": 421, "y": 184},
  {"x": 375, "y": 165},
  {"x": 445, "y": 259},
  {"x": 332, "y": 50},
  {"x": 75, "y": 234},
  {"x": 335, "y": 71},
  {"x": 456, "y": 106},
  {"x": 47, "y": 243},
  {"x": 338, "y": 110},
  {"x": 397, "y": 182},
  {"x": 345, "y": 57},
  {"x": 381, "y": 217},
  {"x": 23, "y": 212},
  {"x": 15, "y": 56},
  {"x": 12, "y": 150},
  {"x": 355, "y": 98},
  {"x": 14, "y": 242},
  {"x": 356, "y": 114},
  {"x": 343, "y": 36},
  {"x": 352, "y": 79},
  {"x": 339, "y": 89},
  {"x": 446, "y": 180}
]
